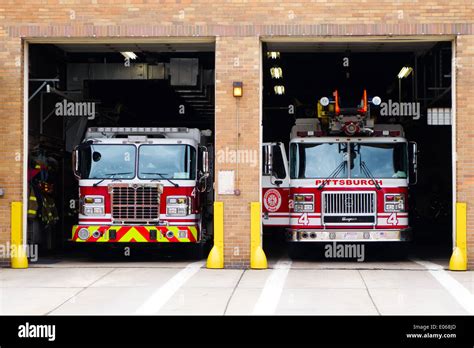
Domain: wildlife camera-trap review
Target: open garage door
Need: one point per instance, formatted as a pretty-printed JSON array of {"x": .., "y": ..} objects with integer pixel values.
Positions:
[
  {"x": 342, "y": 97},
  {"x": 133, "y": 122}
]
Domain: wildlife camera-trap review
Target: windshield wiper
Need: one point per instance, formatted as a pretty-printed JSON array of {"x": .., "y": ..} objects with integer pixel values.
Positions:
[
  {"x": 334, "y": 174},
  {"x": 163, "y": 177},
  {"x": 112, "y": 174},
  {"x": 367, "y": 172}
]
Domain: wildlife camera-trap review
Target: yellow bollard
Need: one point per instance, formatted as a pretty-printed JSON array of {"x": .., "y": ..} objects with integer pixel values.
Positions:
[
  {"x": 216, "y": 256},
  {"x": 18, "y": 256},
  {"x": 258, "y": 260},
  {"x": 458, "y": 261}
]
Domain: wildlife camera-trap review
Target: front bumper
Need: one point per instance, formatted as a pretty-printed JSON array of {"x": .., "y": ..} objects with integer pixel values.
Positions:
[
  {"x": 349, "y": 235},
  {"x": 135, "y": 234}
]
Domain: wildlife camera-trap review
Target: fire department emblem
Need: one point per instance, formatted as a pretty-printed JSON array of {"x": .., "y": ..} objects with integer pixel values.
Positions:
[{"x": 272, "y": 200}]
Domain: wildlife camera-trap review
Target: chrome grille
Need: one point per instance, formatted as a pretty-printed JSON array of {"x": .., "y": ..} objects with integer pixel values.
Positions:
[
  {"x": 135, "y": 203},
  {"x": 349, "y": 203}
]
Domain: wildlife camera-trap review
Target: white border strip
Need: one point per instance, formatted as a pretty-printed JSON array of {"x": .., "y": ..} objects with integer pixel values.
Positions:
[
  {"x": 159, "y": 298},
  {"x": 462, "y": 295},
  {"x": 271, "y": 293}
]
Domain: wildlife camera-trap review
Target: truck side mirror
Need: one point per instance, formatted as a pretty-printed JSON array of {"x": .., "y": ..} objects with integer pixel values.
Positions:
[
  {"x": 75, "y": 163},
  {"x": 268, "y": 160},
  {"x": 205, "y": 161},
  {"x": 202, "y": 183},
  {"x": 75, "y": 157},
  {"x": 413, "y": 151}
]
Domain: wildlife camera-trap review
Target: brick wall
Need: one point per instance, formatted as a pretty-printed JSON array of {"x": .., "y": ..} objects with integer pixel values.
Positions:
[
  {"x": 237, "y": 26},
  {"x": 465, "y": 132},
  {"x": 238, "y": 129},
  {"x": 11, "y": 127}
]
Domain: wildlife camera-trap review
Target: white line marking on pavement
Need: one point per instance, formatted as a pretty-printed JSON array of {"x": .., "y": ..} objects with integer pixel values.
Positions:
[
  {"x": 271, "y": 293},
  {"x": 462, "y": 295},
  {"x": 156, "y": 301}
]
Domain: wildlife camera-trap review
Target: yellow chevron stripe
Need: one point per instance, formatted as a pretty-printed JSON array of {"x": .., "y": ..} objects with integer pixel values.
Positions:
[{"x": 133, "y": 234}]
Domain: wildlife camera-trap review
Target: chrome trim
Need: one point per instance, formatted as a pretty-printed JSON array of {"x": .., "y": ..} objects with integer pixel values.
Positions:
[
  {"x": 135, "y": 203},
  {"x": 348, "y": 203},
  {"x": 352, "y": 235}
]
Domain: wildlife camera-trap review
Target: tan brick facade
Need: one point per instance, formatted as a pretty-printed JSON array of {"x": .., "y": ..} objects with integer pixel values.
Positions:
[
  {"x": 465, "y": 132},
  {"x": 238, "y": 27},
  {"x": 238, "y": 59}
]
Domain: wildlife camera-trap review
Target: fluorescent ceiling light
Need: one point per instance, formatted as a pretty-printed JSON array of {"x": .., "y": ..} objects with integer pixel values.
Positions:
[
  {"x": 273, "y": 55},
  {"x": 129, "y": 55},
  {"x": 406, "y": 70},
  {"x": 276, "y": 72},
  {"x": 279, "y": 89}
]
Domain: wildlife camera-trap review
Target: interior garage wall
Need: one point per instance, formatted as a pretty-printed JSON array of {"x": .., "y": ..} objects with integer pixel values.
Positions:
[{"x": 238, "y": 27}]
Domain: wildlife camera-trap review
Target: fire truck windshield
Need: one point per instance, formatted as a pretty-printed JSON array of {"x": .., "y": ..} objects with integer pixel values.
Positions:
[
  {"x": 319, "y": 160},
  {"x": 167, "y": 161},
  {"x": 102, "y": 161},
  {"x": 381, "y": 160}
]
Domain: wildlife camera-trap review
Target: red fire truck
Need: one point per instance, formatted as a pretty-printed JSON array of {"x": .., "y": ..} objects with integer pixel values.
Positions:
[
  {"x": 347, "y": 178},
  {"x": 144, "y": 185}
]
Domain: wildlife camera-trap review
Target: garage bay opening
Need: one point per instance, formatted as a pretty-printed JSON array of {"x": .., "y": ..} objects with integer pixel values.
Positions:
[
  {"x": 357, "y": 147},
  {"x": 121, "y": 148}
]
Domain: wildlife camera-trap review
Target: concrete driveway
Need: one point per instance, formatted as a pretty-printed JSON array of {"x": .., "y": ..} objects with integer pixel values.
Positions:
[{"x": 412, "y": 287}]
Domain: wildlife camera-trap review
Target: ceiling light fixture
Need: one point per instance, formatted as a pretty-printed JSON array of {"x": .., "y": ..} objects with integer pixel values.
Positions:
[
  {"x": 276, "y": 72},
  {"x": 279, "y": 89},
  {"x": 406, "y": 70},
  {"x": 273, "y": 55},
  {"x": 129, "y": 55}
]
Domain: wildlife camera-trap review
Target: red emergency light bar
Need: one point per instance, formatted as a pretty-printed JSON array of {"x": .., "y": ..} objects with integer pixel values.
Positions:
[
  {"x": 337, "y": 109},
  {"x": 363, "y": 109}
]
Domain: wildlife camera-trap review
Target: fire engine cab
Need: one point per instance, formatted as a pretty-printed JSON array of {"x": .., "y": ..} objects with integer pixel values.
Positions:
[
  {"x": 144, "y": 185},
  {"x": 347, "y": 178}
]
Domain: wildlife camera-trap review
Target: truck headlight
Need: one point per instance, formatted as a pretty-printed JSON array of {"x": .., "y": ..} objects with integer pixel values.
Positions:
[
  {"x": 83, "y": 233},
  {"x": 394, "y": 202},
  {"x": 93, "y": 205},
  {"x": 178, "y": 206},
  {"x": 303, "y": 203}
]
